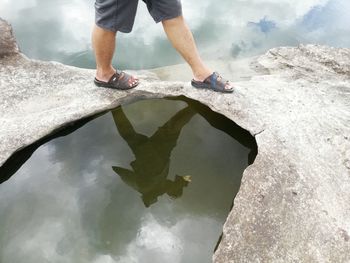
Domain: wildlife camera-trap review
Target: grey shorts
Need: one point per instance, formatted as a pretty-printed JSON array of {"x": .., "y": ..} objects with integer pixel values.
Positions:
[{"x": 119, "y": 15}]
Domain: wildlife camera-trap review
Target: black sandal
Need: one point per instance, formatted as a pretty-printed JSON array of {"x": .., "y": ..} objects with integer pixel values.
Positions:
[
  {"x": 214, "y": 82},
  {"x": 117, "y": 81}
]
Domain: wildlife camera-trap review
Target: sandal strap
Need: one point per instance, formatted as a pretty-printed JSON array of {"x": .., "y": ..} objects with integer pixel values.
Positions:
[
  {"x": 214, "y": 79},
  {"x": 121, "y": 80},
  {"x": 217, "y": 81},
  {"x": 114, "y": 78}
]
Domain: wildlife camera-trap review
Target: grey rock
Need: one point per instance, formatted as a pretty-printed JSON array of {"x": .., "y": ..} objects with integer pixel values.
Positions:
[
  {"x": 294, "y": 201},
  {"x": 8, "y": 45}
]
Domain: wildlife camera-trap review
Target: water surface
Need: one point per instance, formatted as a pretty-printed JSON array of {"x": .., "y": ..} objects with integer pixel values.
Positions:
[
  {"x": 60, "y": 29},
  {"x": 148, "y": 182}
]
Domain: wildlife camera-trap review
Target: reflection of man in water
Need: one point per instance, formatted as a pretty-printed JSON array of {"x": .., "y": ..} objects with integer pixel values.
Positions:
[{"x": 152, "y": 157}]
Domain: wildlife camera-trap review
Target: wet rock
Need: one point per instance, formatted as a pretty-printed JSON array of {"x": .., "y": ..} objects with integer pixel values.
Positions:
[{"x": 293, "y": 204}]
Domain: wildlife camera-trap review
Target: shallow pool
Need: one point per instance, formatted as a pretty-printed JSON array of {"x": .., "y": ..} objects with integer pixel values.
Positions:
[{"x": 152, "y": 181}]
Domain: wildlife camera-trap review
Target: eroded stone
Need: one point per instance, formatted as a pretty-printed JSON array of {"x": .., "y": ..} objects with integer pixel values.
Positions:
[
  {"x": 293, "y": 204},
  {"x": 8, "y": 44}
]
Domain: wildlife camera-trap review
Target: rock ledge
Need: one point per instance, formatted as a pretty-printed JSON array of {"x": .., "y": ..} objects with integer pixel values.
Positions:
[{"x": 293, "y": 204}]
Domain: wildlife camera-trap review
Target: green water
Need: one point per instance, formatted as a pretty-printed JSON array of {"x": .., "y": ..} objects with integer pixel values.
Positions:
[{"x": 148, "y": 182}]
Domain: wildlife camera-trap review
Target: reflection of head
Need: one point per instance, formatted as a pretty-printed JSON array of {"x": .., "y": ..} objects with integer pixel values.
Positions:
[{"x": 150, "y": 168}]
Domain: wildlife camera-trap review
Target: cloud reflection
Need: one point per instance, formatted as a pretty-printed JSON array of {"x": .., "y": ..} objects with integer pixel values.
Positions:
[
  {"x": 60, "y": 30},
  {"x": 66, "y": 204}
]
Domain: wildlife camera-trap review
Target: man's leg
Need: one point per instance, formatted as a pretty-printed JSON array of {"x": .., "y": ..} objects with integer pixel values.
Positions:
[
  {"x": 103, "y": 42},
  {"x": 182, "y": 39}
]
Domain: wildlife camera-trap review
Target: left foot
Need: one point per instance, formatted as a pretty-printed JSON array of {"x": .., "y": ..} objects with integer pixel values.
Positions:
[
  {"x": 214, "y": 82},
  {"x": 202, "y": 75}
]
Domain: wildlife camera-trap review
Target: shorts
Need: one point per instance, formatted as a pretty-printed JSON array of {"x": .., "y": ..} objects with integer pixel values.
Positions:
[{"x": 119, "y": 15}]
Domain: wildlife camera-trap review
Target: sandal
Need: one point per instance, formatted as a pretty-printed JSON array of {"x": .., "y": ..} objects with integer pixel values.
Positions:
[
  {"x": 118, "y": 81},
  {"x": 214, "y": 82}
]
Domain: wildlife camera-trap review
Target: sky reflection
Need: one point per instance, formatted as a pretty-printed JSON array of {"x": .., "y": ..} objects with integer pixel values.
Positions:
[
  {"x": 67, "y": 204},
  {"x": 60, "y": 30}
]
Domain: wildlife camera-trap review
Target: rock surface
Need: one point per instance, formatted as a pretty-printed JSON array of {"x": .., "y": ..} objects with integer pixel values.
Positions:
[
  {"x": 294, "y": 201},
  {"x": 8, "y": 45}
]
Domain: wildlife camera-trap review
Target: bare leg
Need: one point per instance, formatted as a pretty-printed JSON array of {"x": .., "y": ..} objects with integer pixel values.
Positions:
[
  {"x": 182, "y": 39},
  {"x": 103, "y": 42}
]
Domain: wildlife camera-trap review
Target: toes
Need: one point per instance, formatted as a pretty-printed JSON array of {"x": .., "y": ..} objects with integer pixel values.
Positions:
[
  {"x": 133, "y": 81},
  {"x": 228, "y": 86}
]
